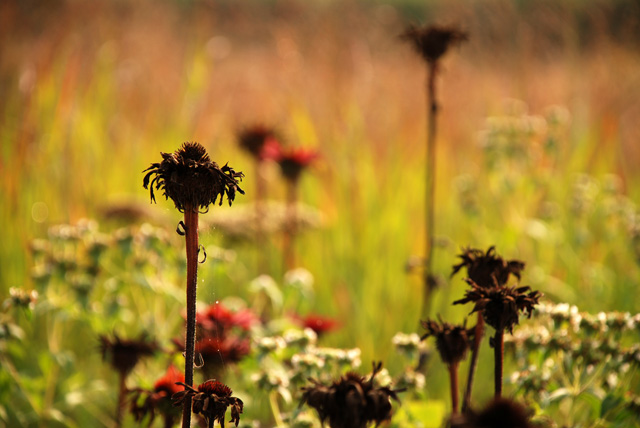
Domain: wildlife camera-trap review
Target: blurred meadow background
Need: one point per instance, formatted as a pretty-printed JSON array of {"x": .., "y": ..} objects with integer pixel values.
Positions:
[{"x": 538, "y": 153}]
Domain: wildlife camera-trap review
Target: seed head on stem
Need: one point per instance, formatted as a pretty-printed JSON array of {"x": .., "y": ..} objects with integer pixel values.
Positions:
[
  {"x": 193, "y": 182},
  {"x": 452, "y": 342}
]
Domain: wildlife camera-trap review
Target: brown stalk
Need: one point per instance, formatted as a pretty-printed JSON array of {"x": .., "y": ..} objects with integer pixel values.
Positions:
[
  {"x": 432, "y": 105},
  {"x": 453, "y": 381},
  {"x": 475, "y": 352},
  {"x": 122, "y": 394},
  {"x": 498, "y": 347},
  {"x": 191, "y": 238}
]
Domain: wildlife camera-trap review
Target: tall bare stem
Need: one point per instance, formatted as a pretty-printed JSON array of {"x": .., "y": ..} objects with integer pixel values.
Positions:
[
  {"x": 191, "y": 237},
  {"x": 498, "y": 347},
  {"x": 475, "y": 351},
  {"x": 432, "y": 105},
  {"x": 453, "y": 381}
]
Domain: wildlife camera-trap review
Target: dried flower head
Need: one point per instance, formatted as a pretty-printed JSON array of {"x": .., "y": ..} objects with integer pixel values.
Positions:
[
  {"x": 190, "y": 178},
  {"x": 124, "y": 354},
  {"x": 452, "y": 341},
  {"x": 145, "y": 402},
  {"x": 259, "y": 140},
  {"x": 352, "y": 401},
  {"x": 292, "y": 162},
  {"x": 433, "y": 41},
  {"x": 500, "y": 413},
  {"x": 501, "y": 306},
  {"x": 211, "y": 400},
  {"x": 487, "y": 268}
]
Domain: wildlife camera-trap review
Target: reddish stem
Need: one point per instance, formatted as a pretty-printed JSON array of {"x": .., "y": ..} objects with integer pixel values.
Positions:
[
  {"x": 498, "y": 347},
  {"x": 453, "y": 381},
  {"x": 191, "y": 237},
  {"x": 477, "y": 340}
]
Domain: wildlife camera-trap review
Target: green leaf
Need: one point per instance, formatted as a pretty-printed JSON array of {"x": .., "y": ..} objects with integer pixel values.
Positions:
[{"x": 609, "y": 403}]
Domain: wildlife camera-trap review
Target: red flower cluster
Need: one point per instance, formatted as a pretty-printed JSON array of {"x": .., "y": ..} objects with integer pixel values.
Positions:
[{"x": 222, "y": 337}]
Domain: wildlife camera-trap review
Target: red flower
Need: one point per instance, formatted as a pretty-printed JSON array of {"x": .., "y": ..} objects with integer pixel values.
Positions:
[
  {"x": 292, "y": 162},
  {"x": 167, "y": 383},
  {"x": 318, "y": 323},
  {"x": 216, "y": 319},
  {"x": 259, "y": 141}
]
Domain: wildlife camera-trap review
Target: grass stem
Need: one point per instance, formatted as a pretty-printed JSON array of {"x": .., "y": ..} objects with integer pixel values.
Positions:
[
  {"x": 275, "y": 409},
  {"x": 291, "y": 223}
]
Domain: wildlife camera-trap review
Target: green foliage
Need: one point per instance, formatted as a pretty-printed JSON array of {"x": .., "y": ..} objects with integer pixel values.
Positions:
[{"x": 579, "y": 368}]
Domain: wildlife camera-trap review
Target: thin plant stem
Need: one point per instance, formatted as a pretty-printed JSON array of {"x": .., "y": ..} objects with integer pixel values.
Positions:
[
  {"x": 498, "y": 347},
  {"x": 275, "y": 409},
  {"x": 291, "y": 222},
  {"x": 168, "y": 421},
  {"x": 453, "y": 381},
  {"x": 191, "y": 237},
  {"x": 432, "y": 107},
  {"x": 122, "y": 394},
  {"x": 475, "y": 352}
]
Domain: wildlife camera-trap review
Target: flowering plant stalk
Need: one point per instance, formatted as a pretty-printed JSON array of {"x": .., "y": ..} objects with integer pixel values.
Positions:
[
  {"x": 485, "y": 269},
  {"x": 193, "y": 182},
  {"x": 431, "y": 42}
]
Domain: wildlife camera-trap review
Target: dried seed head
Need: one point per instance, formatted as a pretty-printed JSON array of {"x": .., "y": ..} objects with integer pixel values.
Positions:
[
  {"x": 452, "y": 341},
  {"x": 211, "y": 400},
  {"x": 191, "y": 179},
  {"x": 501, "y": 306},
  {"x": 351, "y": 402},
  {"x": 500, "y": 413},
  {"x": 124, "y": 354},
  {"x": 488, "y": 269},
  {"x": 432, "y": 42}
]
